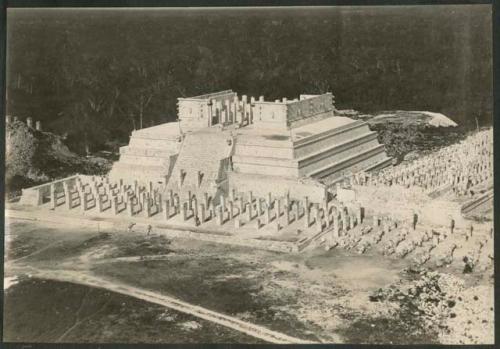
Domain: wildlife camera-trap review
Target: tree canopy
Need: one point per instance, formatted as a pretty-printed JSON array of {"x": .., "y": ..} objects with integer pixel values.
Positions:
[{"x": 96, "y": 75}]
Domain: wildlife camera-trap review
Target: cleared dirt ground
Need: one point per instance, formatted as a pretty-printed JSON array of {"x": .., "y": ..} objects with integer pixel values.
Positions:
[{"x": 320, "y": 296}]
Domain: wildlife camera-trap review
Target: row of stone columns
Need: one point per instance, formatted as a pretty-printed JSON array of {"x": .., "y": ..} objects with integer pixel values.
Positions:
[
  {"x": 234, "y": 111},
  {"x": 461, "y": 166}
]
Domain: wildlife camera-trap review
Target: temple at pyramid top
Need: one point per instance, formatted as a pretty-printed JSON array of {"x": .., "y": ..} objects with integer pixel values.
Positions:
[{"x": 227, "y": 108}]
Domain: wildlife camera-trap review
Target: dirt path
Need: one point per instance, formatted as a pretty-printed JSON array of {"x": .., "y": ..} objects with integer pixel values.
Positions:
[{"x": 80, "y": 277}]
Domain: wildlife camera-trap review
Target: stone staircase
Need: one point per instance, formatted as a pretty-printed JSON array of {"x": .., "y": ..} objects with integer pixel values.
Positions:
[{"x": 202, "y": 163}]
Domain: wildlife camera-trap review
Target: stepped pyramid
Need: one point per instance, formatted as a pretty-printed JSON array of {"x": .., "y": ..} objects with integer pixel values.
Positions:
[
  {"x": 150, "y": 155},
  {"x": 301, "y": 147},
  {"x": 222, "y": 143}
]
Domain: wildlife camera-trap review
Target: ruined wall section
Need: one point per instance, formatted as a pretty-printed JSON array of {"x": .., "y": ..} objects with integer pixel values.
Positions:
[
  {"x": 284, "y": 114},
  {"x": 309, "y": 109}
]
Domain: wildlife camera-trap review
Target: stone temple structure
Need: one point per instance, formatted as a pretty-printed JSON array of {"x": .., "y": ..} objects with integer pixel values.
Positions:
[{"x": 223, "y": 142}]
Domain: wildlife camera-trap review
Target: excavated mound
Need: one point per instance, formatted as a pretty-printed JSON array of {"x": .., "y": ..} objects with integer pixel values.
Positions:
[{"x": 33, "y": 157}]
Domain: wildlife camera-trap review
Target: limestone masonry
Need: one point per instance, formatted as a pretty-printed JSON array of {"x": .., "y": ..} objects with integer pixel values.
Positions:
[{"x": 222, "y": 142}]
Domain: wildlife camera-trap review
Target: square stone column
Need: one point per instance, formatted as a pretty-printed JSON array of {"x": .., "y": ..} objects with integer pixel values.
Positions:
[
  {"x": 202, "y": 211},
  {"x": 184, "y": 209},
  {"x": 219, "y": 216},
  {"x": 167, "y": 209},
  {"x": 307, "y": 218}
]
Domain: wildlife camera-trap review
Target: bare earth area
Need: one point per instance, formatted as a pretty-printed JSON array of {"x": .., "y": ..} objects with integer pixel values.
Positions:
[{"x": 117, "y": 286}]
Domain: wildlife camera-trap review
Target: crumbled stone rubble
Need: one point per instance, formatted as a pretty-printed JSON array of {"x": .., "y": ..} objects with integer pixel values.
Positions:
[{"x": 460, "y": 315}]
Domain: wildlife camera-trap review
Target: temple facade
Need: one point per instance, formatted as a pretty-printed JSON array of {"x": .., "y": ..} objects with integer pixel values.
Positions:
[{"x": 223, "y": 142}]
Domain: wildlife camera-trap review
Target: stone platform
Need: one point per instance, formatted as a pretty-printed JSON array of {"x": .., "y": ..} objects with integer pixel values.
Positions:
[
  {"x": 150, "y": 155},
  {"x": 323, "y": 150}
]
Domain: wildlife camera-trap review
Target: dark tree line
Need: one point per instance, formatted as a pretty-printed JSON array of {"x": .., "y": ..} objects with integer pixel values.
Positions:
[{"x": 95, "y": 76}]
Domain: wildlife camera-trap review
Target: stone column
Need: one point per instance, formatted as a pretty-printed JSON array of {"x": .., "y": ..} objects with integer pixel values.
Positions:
[
  {"x": 130, "y": 207},
  {"x": 259, "y": 207},
  {"x": 114, "y": 205},
  {"x": 219, "y": 216},
  {"x": 307, "y": 217},
  {"x": 212, "y": 209},
  {"x": 354, "y": 221},
  {"x": 136, "y": 188},
  {"x": 318, "y": 217},
  {"x": 177, "y": 203},
  {"x": 205, "y": 199},
  {"x": 80, "y": 196},
  {"x": 287, "y": 215},
  {"x": 244, "y": 113},
  {"x": 231, "y": 209},
  {"x": 67, "y": 195},
  {"x": 236, "y": 103},
  {"x": 84, "y": 201},
  {"x": 336, "y": 228},
  {"x": 319, "y": 226},
  {"x": 287, "y": 200},
  {"x": 228, "y": 111},
  {"x": 223, "y": 202},
  {"x": 184, "y": 211},
  {"x": 359, "y": 215},
  {"x": 194, "y": 205},
  {"x": 99, "y": 203},
  {"x": 277, "y": 205},
  {"x": 248, "y": 211},
  {"x": 202, "y": 213},
  {"x": 252, "y": 106},
  {"x": 199, "y": 178},
  {"x": 159, "y": 201},
  {"x": 375, "y": 221},
  {"x": 241, "y": 205},
  {"x": 180, "y": 177},
  {"x": 167, "y": 209},
  {"x": 297, "y": 210}
]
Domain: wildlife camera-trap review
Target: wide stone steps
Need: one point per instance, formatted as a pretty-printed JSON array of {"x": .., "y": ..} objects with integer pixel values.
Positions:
[
  {"x": 327, "y": 134},
  {"x": 329, "y": 139},
  {"x": 346, "y": 163},
  {"x": 336, "y": 148}
]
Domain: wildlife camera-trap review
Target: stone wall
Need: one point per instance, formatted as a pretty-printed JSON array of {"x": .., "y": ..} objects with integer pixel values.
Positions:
[
  {"x": 308, "y": 107},
  {"x": 270, "y": 115}
]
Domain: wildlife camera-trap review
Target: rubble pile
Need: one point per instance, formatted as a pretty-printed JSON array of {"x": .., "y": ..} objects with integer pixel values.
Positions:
[
  {"x": 432, "y": 247},
  {"x": 461, "y": 315}
]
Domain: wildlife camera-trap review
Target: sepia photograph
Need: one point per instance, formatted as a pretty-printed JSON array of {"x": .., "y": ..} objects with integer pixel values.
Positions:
[{"x": 249, "y": 175}]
